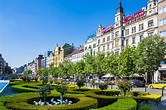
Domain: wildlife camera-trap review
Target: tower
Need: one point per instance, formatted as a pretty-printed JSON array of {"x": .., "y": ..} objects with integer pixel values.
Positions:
[{"x": 119, "y": 15}]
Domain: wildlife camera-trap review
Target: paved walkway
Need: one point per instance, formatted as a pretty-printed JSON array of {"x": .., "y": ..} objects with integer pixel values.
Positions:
[{"x": 163, "y": 98}]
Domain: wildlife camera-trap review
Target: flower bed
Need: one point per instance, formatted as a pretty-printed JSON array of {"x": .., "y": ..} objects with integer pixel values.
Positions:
[{"x": 22, "y": 102}]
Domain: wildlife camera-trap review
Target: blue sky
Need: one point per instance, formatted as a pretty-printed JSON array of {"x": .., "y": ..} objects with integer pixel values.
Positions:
[{"x": 31, "y": 27}]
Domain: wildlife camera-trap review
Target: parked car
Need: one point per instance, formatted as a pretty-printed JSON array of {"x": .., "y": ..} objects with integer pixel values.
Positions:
[
  {"x": 158, "y": 85},
  {"x": 137, "y": 83}
]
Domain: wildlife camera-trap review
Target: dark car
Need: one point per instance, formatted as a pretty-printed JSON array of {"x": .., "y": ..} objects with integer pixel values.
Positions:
[{"x": 137, "y": 83}]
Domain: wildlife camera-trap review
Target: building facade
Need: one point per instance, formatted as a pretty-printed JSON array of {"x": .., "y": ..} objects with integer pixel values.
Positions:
[
  {"x": 38, "y": 62},
  {"x": 162, "y": 18},
  {"x": 61, "y": 52},
  {"x": 161, "y": 73},
  {"x": 49, "y": 59},
  {"x": 2, "y": 65},
  {"x": 128, "y": 30},
  {"x": 77, "y": 54},
  {"x": 90, "y": 45}
]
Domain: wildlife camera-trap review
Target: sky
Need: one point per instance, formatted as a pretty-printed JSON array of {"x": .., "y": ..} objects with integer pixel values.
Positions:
[{"x": 32, "y": 27}]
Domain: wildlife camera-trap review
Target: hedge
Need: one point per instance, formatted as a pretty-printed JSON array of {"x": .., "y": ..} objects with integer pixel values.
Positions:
[
  {"x": 153, "y": 97},
  {"x": 22, "y": 102},
  {"x": 104, "y": 100},
  {"x": 121, "y": 104},
  {"x": 78, "y": 91}
]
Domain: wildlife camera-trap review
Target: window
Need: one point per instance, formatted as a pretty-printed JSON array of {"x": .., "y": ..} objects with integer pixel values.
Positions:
[
  {"x": 103, "y": 48},
  {"x": 116, "y": 42},
  {"x": 85, "y": 48},
  {"x": 98, "y": 49},
  {"x": 140, "y": 38},
  {"x": 126, "y": 31},
  {"x": 162, "y": 33},
  {"x": 108, "y": 38},
  {"x": 133, "y": 29},
  {"x": 89, "y": 46},
  {"x": 94, "y": 45},
  {"x": 117, "y": 53},
  {"x": 122, "y": 42},
  {"x": 112, "y": 45},
  {"x": 162, "y": 10},
  {"x": 99, "y": 41},
  {"x": 127, "y": 41},
  {"x": 141, "y": 27},
  {"x": 108, "y": 47},
  {"x": 103, "y": 40},
  {"x": 93, "y": 52},
  {"x": 112, "y": 37},
  {"x": 150, "y": 23},
  {"x": 162, "y": 21},
  {"x": 133, "y": 40},
  {"x": 116, "y": 33},
  {"x": 150, "y": 34}
]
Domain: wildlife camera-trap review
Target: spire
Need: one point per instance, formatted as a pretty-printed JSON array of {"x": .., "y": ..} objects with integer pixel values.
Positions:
[
  {"x": 120, "y": 8},
  {"x": 99, "y": 26}
]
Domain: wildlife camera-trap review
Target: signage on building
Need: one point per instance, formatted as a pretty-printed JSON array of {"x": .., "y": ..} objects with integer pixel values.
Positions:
[
  {"x": 107, "y": 29},
  {"x": 131, "y": 18}
]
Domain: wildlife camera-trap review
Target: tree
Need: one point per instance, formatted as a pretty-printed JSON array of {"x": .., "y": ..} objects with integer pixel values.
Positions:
[
  {"x": 99, "y": 60},
  {"x": 151, "y": 51},
  {"x": 111, "y": 64},
  {"x": 90, "y": 64},
  {"x": 62, "y": 89},
  {"x": 66, "y": 68},
  {"x": 127, "y": 61},
  {"x": 8, "y": 69},
  {"x": 80, "y": 83},
  {"x": 80, "y": 67},
  {"x": 44, "y": 90},
  {"x": 124, "y": 85}
]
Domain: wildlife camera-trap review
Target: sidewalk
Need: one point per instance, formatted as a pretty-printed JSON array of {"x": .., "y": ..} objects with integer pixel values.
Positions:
[{"x": 163, "y": 98}]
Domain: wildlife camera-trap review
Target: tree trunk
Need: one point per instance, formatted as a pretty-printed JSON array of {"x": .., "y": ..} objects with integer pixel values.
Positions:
[{"x": 44, "y": 100}]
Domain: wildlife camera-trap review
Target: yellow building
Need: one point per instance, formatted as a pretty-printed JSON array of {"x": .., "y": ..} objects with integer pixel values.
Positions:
[{"x": 61, "y": 52}]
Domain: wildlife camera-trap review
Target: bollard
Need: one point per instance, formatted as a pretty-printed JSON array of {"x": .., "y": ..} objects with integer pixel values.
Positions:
[
  {"x": 145, "y": 87},
  {"x": 163, "y": 90}
]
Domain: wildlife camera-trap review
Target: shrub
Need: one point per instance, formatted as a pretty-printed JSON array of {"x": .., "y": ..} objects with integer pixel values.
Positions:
[
  {"x": 44, "y": 91},
  {"x": 102, "y": 100},
  {"x": 80, "y": 83},
  {"x": 78, "y": 91},
  {"x": 22, "y": 102},
  {"x": 124, "y": 85},
  {"x": 103, "y": 86},
  {"x": 122, "y": 104}
]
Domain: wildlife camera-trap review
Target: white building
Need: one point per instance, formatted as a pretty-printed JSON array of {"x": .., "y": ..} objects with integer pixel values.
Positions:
[
  {"x": 30, "y": 66},
  {"x": 49, "y": 60},
  {"x": 77, "y": 54},
  {"x": 90, "y": 45},
  {"x": 128, "y": 30}
]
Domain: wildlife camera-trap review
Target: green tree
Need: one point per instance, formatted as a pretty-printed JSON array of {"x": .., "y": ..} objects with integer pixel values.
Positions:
[
  {"x": 127, "y": 61},
  {"x": 151, "y": 51},
  {"x": 111, "y": 64},
  {"x": 8, "y": 69},
  {"x": 90, "y": 64},
  {"x": 44, "y": 91},
  {"x": 66, "y": 68},
  {"x": 99, "y": 62},
  {"x": 124, "y": 85},
  {"x": 80, "y": 67}
]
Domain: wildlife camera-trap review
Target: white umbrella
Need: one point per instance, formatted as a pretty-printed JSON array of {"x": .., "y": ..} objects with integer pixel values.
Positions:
[{"x": 108, "y": 76}]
